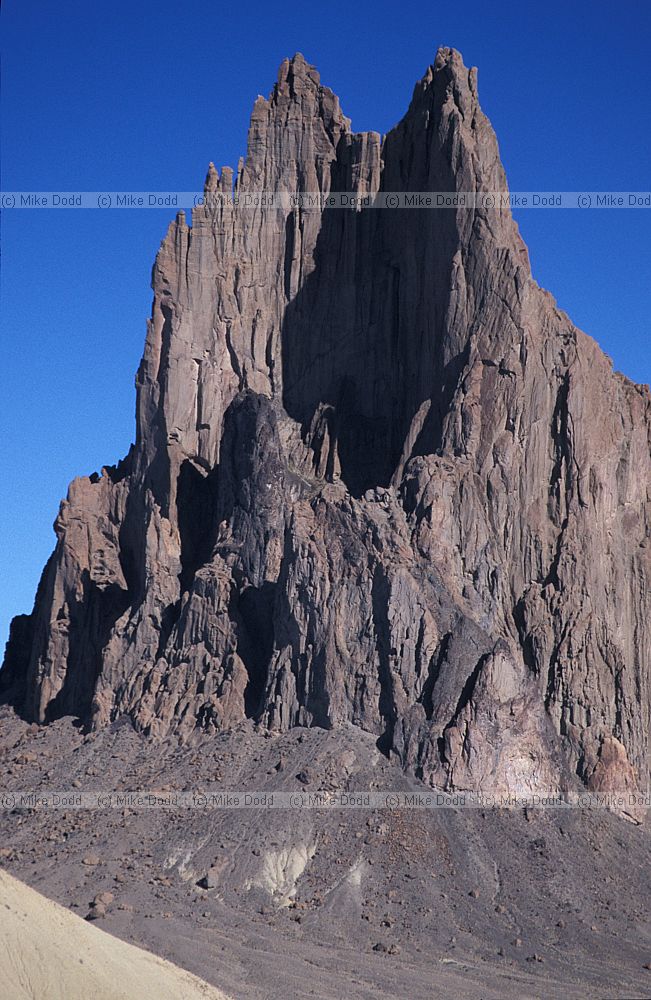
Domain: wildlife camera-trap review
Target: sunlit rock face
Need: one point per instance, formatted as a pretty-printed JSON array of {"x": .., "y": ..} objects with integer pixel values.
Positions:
[{"x": 379, "y": 478}]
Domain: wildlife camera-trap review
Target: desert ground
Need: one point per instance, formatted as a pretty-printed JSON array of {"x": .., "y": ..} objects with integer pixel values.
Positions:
[{"x": 362, "y": 903}]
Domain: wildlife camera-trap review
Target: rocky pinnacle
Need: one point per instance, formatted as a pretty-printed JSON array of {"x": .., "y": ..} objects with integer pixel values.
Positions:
[{"x": 379, "y": 479}]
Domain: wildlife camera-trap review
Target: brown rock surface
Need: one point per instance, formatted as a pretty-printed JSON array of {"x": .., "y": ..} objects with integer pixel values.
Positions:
[{"x": 378, "y": 478}]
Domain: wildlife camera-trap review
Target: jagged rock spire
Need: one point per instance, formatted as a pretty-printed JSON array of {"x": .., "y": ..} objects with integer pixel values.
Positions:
[{"x": 379, "y": 478}]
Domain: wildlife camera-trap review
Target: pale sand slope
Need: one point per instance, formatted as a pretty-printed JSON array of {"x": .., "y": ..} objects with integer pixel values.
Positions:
[{"x": 47, "y": 953}]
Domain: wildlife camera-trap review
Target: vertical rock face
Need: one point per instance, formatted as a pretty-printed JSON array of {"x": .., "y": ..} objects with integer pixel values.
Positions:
[{"x": 378, "y": 478}]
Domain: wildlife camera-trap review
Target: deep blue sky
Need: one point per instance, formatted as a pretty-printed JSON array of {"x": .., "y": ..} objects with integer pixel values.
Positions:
[{"x": 97, "y": 96}]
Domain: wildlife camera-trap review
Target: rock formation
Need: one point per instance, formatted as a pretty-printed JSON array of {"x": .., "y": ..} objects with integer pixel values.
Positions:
[{"x": 379, "y": 478}]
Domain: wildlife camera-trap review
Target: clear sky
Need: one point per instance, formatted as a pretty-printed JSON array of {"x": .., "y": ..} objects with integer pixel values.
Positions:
[{"x": 137, "y": 96}]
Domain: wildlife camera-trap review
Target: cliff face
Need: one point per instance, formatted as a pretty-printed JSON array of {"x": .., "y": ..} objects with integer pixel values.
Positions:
[{"x": 378, "y": 478}]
